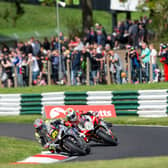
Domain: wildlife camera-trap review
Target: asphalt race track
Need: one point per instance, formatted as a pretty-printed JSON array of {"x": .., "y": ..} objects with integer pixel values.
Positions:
[{"x": 134, "y": 141}]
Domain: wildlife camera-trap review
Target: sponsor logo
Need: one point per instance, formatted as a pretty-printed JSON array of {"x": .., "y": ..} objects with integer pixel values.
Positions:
[
  {"x": 105, "y": 113},
  {"x": 57, "y": 112}
]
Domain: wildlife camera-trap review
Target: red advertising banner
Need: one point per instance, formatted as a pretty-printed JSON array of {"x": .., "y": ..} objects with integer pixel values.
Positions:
[{"x": 104, "y": 111}]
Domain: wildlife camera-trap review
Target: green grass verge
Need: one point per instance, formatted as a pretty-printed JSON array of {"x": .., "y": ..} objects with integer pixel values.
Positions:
[
  {"x": 117, "y": 120},
  {"x": 27, "y": 119},
  {"x": 13, "y": 150},
  {"x": 138, "y": 121},
  {"x": 56, "y": 88},
  {"x": 42, "y": 19}
]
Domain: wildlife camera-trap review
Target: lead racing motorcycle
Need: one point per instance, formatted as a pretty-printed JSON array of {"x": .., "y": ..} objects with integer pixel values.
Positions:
[{"x": 70, "y": 141}]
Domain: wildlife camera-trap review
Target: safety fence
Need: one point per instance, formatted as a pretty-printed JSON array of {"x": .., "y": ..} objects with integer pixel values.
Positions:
[{"x": 143, "y": 103}]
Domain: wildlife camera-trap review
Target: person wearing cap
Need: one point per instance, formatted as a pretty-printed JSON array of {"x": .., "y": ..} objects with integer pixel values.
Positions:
[
  {"x": 163, "y": 51},
  {"x": 134, "y": 63}
]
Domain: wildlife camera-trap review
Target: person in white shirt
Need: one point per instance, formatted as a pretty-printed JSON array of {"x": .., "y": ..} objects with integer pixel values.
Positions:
[
  {"x": 153, "y": 56},
  {"x": 34, "y": 67}
]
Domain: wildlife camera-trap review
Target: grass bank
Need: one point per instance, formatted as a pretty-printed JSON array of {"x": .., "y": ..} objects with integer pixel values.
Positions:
[
  {"x": 40, "y": 21},
  {"x": 57, "y": 88}
]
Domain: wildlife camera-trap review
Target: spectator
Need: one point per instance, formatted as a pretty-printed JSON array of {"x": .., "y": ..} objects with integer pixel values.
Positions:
[
  {"x": 153, "y": 56},
  {"x": 55, "y": 66},
  {"x": 141, "y": 34},
  {"x": 25, "y": 70},
  {"x": 46, "y": 44},
  {"x": 75, "y": 66},
  {"x": 7, "y": 71},
  {"x": 34, "y": 67},
  {"x": 133, "y": 55},
  {"x": 115, "y": 67},
  {"x": 28, "y": 48},
  {"x": 94, "y": 67},
  {"x": 133, "y": 31},
  {"x": 109, "y": 41},
  {"x": 100, "y": 38},
  {"x": 84, "y": 55},
  {"x": 145, "y": 56}
]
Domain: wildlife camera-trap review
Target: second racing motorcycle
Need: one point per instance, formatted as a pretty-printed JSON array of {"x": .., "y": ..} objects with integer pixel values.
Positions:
[{"x": 96, "y": 129}]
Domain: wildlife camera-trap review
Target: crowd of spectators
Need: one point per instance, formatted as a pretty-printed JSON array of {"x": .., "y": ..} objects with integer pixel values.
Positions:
[{"x": 50, "y": 57}]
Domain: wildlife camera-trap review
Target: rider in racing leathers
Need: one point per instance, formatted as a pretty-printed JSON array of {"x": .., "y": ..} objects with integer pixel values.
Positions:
[
  {"x": 76, "y": 118},
  {"x": 47, "y": 134}
]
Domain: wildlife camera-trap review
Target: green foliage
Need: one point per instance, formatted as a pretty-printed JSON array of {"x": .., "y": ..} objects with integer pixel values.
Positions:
[
  {"x": 159, "y": 14},
  {"x": 74, "y": 27},
  {"x": 13, "y": 12},
  {"x": 47, "y": 2},
  {"x": 43, "y": 20},
  {"x": 51, "y": 2}
]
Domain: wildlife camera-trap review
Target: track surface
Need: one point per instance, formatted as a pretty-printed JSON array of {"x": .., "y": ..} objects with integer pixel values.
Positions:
[{"x": 134, "y": 141}]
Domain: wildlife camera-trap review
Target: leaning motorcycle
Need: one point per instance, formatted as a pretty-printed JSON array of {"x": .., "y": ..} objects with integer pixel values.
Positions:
[
  {"x": 71, "y": 143},
  {"x": 95, "y": 129}
]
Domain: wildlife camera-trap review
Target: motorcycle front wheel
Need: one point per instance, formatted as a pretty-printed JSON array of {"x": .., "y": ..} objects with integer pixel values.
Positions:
[
  {"x": 107, "y": 139},
  {"x": 72, "y": 148}
]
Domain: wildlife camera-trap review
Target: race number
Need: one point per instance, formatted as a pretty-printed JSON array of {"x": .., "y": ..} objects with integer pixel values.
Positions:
[{"x": 54, "y": 134}]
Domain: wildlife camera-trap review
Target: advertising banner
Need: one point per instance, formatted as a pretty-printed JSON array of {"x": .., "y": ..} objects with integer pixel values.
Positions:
[
  {"x": 125, "y": 5},
  {"x": 104, "y": 111}
]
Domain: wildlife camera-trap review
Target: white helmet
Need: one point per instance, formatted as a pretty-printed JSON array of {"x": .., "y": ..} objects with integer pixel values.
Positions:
[{"x": 72, "y": 116}]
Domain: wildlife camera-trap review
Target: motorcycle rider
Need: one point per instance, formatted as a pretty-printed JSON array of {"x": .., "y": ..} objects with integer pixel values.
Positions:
[
  {"x": 77, "y": 118},
  {"x": 74, "y": 118},
  {"x": 47, "y": 134}
]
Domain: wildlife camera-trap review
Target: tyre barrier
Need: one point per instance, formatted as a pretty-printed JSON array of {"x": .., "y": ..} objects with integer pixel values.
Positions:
[{"x": 143, "y": 103}]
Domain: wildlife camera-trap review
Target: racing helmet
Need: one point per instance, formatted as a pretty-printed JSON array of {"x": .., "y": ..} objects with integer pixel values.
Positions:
[
  {"x": 69, "y": 110},
  {"x": 39, "y": 124},
  {"x": 72, "y": 116}
]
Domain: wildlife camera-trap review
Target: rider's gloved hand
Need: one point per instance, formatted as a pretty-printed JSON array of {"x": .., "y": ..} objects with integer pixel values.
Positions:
[
  {"x": 55, "y": 147},
  {"x": 37, "y": 136},
  {"x": 47, "y": 145}
]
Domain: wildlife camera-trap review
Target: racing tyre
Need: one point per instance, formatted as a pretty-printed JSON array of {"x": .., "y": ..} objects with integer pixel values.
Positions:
[
  {"x": 108, "y": 139},
  {"x": 72, "y": 148},
  {"x": 85, "y": 146}
]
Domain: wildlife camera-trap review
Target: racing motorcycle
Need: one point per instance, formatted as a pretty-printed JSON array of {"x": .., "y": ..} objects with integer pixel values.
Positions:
[
  {"x": 95, "y": 129},
  {"x": 70, "y": 142}
]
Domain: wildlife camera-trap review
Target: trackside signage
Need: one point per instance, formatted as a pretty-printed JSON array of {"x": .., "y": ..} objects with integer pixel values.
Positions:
[{"x": 104, "y": 111}]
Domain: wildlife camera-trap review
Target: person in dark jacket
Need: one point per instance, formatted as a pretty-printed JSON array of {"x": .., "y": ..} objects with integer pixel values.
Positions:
[{"x": 75, "y": 66}]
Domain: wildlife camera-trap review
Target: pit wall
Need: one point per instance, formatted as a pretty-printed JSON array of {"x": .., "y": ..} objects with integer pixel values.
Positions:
[{"x": 143, "y": 103}]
